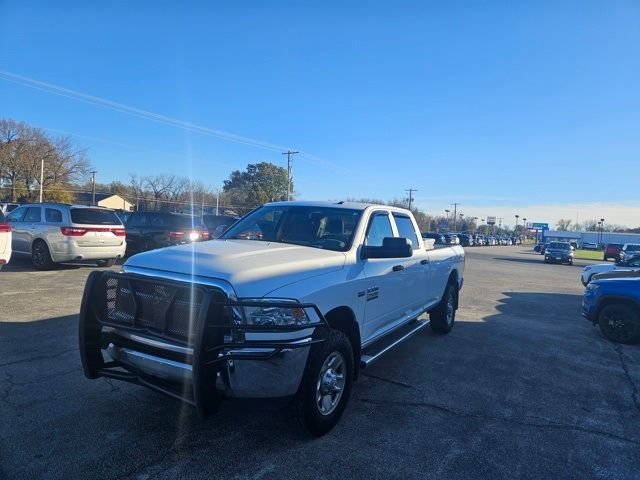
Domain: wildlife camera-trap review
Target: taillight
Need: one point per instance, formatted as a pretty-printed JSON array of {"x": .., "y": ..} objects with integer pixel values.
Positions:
[
  {"x": 5, "y": 227},
  {"x": 176, "y": 234},
  {"x": 73, "y": 231},
  {"x": 119, "y": 232},
  {"x": 205, "y": 235}
]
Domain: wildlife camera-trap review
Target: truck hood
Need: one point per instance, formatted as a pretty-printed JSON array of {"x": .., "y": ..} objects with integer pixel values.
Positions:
[{"x": 253, "y": 268}]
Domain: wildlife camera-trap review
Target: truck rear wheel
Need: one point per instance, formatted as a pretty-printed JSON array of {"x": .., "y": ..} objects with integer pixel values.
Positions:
[
  {"x": 326, "y": 384},
  {"x": 441, "y": 318}
]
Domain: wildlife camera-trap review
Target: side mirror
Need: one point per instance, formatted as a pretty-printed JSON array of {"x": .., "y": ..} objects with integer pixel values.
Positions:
[{"x": 392, "y": 247}]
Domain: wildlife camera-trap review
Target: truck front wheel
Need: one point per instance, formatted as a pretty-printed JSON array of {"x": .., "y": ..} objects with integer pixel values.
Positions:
[{"x": 326, "y": 384}]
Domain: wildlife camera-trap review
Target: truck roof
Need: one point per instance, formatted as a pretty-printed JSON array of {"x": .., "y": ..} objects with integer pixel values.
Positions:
[{"x": 349, "y": 205}]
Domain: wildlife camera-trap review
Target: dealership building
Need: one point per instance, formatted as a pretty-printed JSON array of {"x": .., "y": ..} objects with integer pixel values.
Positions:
[{"x": 592, "y": 237}]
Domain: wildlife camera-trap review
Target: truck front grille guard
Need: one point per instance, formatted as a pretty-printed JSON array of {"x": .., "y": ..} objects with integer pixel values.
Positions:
[{"x": 149, "y": 305}]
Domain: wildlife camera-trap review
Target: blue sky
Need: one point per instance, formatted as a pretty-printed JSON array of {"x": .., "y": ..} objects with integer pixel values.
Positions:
[{"x": 505, "y": 107}]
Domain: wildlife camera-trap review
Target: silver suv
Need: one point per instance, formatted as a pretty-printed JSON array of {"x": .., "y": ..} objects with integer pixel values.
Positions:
[{"x": 53, "y": 233}]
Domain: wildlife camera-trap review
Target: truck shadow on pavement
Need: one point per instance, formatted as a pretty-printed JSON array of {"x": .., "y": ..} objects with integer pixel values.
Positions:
[{"x": 533, "y": 370}]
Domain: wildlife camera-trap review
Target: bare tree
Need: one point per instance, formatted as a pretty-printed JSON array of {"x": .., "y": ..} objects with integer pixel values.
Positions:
[{"x": 563, "y": 224}]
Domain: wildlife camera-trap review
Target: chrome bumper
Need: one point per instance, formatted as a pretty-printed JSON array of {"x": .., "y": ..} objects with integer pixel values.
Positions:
[{"x": 261, "y": 373}]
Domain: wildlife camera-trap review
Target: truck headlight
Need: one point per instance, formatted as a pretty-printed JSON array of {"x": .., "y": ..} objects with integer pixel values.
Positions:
[{"x": 275, "y": 315}]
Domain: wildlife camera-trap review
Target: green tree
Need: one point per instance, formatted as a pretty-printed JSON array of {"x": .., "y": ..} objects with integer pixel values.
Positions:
[{"x": 260, "y": 183}]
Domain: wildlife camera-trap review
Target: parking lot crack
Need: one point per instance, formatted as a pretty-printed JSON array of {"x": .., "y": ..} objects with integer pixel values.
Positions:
[
  {"x": 635, "y": 393},
  {"x": 542, "y": 423},
  {"x": 387, "y": 380}
]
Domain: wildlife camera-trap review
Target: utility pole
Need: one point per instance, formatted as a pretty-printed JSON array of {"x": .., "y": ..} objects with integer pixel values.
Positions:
[
  {"x": 455, "y": 215},
  {"x": 410, "y": 190},
  {"x": 289, "y": 154},
  {"x": 93, "y": 180},
  {"x": 499, "y": 223},
  {"x": 217, "y": 200},
  {"x": 41, "y": 176}
]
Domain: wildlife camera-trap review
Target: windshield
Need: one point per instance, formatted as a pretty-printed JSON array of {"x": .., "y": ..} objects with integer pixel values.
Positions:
[
  {"x": 633, "y": 248},
  {"x": 559, "y": 246},
  {"x": 94, "y": 216},
  {"x": 319, "y": 227}
]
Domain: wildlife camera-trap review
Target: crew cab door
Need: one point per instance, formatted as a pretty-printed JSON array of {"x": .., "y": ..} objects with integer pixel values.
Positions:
[
  {"x": 415, "y": 271},
  {"x": 383, "y": 284}
]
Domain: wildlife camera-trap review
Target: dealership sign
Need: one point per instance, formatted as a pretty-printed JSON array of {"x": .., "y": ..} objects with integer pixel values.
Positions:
[
  {"x": 537, "y": 226},
  {"x": 491, "y": 220}
]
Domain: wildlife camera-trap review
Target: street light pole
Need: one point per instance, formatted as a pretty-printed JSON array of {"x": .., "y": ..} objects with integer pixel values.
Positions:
[
  {"x": 447, "y": 212},
  {"x": 517, "y": 217},
  {"x": 601, "y": 231}
]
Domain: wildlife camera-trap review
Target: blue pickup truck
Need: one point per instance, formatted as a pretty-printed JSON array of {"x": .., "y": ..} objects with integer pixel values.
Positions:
[{"x": 614, "y": 304}]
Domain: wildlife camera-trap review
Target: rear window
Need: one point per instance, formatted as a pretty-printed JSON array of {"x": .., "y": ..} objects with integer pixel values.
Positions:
[
  {"x": 183, "y": 221},
  {"x": 94, "y": 216}
]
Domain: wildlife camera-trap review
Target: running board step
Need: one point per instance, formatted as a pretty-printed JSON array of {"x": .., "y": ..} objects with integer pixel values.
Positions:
[{"x": 371, "y": 353}]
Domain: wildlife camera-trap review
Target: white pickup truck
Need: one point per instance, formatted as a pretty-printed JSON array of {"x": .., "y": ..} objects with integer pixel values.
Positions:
[{"x": 289, "y": 303}]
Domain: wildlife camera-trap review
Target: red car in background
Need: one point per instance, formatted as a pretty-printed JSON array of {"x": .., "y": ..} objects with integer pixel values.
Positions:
[{"x": 612, "y": 251}]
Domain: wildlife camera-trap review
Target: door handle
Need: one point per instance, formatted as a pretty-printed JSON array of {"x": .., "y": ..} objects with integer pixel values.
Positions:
[
  {"x": 424, "y": 262},
  {"x": 397, "y": 268}
]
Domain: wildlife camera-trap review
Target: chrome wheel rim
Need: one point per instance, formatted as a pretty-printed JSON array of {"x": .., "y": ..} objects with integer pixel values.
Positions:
[
  {"x": 330, "y": 385},
  {"x": 450, "y": 308}
]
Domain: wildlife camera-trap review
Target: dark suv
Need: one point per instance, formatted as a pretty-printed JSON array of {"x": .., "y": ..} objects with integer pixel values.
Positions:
[
  {"x": 217, "y": 224},
  {"x": 150, "y": 230}
]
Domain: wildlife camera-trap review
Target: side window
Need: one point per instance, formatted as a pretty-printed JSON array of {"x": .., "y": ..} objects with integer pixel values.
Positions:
[
  {"x": 53, "y": 215},
  {"x": 634, "y": 262},
  {"x": 138, "y": 220},
  {"x": 406, "y": 229},
  {"x": 33, "y": 214},
  {"x": 17, "y": 215},
  {"x": 379, "y": 228}
]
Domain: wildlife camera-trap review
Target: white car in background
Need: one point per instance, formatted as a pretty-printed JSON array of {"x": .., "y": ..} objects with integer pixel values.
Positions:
[
  {"x": 629, "y": 250},
  {"x": 630, "y": 265},
  {"x": 5, "y": 241}
]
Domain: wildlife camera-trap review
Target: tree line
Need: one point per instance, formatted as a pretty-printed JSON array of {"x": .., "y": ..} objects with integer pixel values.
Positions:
[{"x": 23, "y": 151}]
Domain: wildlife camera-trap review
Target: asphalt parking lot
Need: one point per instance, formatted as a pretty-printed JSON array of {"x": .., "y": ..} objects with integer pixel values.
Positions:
[{"x": 523, "y": 387}]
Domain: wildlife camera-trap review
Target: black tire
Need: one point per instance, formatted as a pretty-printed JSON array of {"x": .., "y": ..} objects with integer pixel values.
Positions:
[
  {"x": 570, "y": 262},
  {"x": 306, "y": 404},
  {"x": 619, "y": 322},
  {"x": 40, "y": 256},
  {"x": 106, "y": 263},
  {"x": 442, "y": 318}
]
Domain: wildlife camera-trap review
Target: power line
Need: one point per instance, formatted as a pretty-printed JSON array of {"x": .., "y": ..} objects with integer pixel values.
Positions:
[
  {"x": 411, "y": 190},
  {"x": 166, "y": 120},
  {"x": 137, "y": 112},
  {"x": 289, "y": 154}
]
